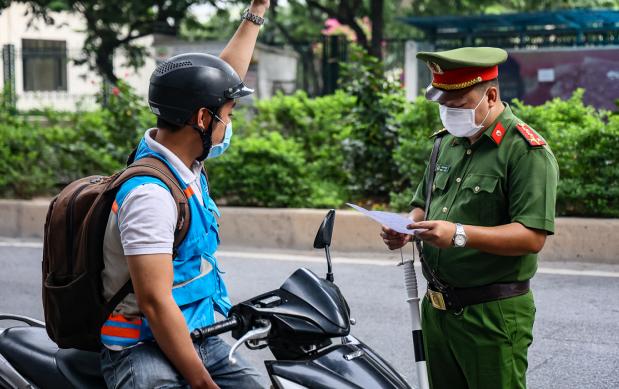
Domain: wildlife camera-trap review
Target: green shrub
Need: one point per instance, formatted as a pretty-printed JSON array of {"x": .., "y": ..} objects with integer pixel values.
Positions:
[
  {"x": 42, "y": 152},
  {"x": 261, "y": 170},
  {"x": 586, "y": 144},
  {"x": 373, "y": 139},
  {"x": 320, "y": 125},
  {"x": 25, "y": 171},
  {"x": 360, "y": 143},
  {"x": 125, "y": 118},
  {"x": 40, "y": 160},
  {"x": 416, "y": 123}
]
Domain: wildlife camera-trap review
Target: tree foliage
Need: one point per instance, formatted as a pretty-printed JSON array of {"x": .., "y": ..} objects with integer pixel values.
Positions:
[{"x": 115, "y": 28}]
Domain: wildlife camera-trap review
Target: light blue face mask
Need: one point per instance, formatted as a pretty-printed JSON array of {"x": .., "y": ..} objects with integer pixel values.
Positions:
[{"x": 220, "y": 148}]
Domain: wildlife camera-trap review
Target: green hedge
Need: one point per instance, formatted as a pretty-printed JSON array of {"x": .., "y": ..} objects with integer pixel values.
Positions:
[
  {"x": 586, "y": 144},
  {"x": 40, "y": 152},
  {"x": 296, "y": 151}
]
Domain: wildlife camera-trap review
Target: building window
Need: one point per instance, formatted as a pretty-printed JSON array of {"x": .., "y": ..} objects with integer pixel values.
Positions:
[{"x": 45, "y": 65}]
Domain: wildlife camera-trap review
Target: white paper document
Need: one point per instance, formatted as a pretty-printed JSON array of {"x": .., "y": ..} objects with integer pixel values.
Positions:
[{"x": 392, "y": 220}]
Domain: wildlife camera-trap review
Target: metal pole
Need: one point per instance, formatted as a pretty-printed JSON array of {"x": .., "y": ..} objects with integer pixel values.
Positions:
[
  {"x": 412, "y": 294},
  {"x": 9, "y": 92}
]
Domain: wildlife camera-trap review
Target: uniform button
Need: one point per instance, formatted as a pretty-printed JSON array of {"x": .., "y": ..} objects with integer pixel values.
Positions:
[
  {"x": 445, "y": 209},
  {"x": 458, "y": 180},
  {"x": 476, "y": 189},
  {"x": 469, "y": 152}
]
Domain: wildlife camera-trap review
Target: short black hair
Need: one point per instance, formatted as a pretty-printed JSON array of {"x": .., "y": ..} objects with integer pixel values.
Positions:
[
  {"x": 482, "y": 86},
  {"x": 162, "y": 123}
]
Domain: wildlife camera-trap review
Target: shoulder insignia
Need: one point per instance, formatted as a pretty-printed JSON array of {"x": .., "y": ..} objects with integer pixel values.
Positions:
[
  {"x": 498, "y": 133},
  {"x": 530, "y": 136},
  {"x": 439, "y": 133}
]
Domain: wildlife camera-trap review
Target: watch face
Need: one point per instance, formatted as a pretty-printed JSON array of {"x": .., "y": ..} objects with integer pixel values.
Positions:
[{"x": 459, "y": 241}]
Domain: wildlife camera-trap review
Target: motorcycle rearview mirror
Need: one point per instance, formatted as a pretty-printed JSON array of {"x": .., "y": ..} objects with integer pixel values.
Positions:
[{"x": 323, "y": 239}]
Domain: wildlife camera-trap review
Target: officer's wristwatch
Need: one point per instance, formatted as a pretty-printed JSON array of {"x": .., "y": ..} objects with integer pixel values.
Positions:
[
  {"x": 255, "y": 19},
  {"x": 459, "y": 239}
]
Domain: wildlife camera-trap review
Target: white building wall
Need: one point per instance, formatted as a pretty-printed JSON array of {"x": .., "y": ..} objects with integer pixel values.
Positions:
[
  {"x": 82, "y": 83},
  {"x": 277, "y": 70}
]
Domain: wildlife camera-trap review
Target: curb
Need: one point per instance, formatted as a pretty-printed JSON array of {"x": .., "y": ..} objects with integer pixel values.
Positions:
[{"x": 576, "y": 239}]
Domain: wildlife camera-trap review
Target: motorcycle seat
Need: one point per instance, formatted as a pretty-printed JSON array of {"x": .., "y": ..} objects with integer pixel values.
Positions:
[{"x": 30, "y": 351}]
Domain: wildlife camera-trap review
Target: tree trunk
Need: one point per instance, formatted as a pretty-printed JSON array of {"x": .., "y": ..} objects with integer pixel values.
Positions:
[
  {"x": 105, "y": 64},
  {"x": 377, "y": 18}
]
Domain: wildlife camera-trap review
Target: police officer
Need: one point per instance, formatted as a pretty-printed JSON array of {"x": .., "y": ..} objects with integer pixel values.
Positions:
[{"x": 492, "y": 206}]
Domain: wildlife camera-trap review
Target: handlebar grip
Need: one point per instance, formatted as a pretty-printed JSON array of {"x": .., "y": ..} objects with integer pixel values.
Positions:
[{"x": 216, "y": 328}]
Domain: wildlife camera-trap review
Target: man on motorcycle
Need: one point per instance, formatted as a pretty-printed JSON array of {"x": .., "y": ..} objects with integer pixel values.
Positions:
[{"x": 147, "y": 337}]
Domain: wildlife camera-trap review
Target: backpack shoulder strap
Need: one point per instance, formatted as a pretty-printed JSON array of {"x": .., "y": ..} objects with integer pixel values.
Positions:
[{"x": 154, "y": 167}]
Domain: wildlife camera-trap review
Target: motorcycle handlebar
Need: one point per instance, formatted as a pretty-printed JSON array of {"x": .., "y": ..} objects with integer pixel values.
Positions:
[{"x": 216, "y": 328}]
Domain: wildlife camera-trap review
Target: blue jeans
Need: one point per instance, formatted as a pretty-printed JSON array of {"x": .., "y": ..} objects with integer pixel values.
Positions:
[{"x": 145, "y": 366}]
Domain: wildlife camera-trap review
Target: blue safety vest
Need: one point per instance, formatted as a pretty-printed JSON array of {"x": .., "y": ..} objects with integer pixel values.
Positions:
[{"x": 198, "y": 287}]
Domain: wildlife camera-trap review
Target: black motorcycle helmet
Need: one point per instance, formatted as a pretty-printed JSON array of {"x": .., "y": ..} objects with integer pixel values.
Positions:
[{"x": 187, "y": 82}]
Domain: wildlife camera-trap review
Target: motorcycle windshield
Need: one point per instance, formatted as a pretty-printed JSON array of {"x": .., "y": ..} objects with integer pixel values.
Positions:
[{"x": 323, "y": 295}]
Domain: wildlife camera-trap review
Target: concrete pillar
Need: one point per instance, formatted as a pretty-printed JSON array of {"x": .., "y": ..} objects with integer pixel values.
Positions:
[{"x": 411, "y": 74}]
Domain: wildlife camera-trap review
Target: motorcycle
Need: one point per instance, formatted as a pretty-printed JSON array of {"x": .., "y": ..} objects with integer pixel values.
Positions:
[{"x": 305, "y": 323}]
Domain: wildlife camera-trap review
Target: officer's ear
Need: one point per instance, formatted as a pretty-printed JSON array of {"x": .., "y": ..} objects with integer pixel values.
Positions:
[{"x": 493, "y": 96}]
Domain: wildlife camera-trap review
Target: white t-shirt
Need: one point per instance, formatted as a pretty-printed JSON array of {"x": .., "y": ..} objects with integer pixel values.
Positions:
[{"x": 144, "y": 224}]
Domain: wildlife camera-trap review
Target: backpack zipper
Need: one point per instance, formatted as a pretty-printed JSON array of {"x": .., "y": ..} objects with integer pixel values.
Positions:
[{"x": 70, "y": 218}]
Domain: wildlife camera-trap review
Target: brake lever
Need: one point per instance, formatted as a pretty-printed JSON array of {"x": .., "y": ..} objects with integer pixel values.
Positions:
[{"x": 258, "y": 333}]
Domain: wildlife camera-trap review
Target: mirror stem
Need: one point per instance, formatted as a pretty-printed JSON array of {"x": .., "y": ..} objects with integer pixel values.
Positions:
[{"x": 329, "y": 270}]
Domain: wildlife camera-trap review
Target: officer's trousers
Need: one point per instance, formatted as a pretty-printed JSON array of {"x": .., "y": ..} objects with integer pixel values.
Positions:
[{"x": 483, "y": 347}]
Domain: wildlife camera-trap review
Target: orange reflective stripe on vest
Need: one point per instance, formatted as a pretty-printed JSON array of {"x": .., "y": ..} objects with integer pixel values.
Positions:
[{"x": 118, "y": 330}]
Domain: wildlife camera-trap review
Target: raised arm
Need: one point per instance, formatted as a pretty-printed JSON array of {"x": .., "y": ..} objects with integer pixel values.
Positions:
[{"x": 239, "y": 50}]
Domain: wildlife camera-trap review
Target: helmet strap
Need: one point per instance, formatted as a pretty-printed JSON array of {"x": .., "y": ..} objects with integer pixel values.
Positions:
[{"x": 206, "y": 135}]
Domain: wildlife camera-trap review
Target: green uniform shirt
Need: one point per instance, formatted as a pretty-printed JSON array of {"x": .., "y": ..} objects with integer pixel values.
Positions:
[{"x": 500, "y": 179}]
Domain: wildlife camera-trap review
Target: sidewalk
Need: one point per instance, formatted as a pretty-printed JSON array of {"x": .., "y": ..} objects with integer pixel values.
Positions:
[{"x": 576, "y": 239}]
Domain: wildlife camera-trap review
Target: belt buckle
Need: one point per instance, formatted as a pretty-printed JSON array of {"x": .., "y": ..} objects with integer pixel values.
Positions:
[{"x": 437, "y": 300}]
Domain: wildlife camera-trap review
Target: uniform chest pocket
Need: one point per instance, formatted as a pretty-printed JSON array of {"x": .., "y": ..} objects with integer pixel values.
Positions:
[
  {"x": 480, "y": 199},
  {"x": 480, "y": 183}
]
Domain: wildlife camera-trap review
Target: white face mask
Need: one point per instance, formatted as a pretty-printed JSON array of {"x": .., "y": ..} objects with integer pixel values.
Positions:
[{"x": 460, "y": 122}]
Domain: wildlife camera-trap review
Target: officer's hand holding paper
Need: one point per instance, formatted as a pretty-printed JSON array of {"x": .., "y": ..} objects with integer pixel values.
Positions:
[{"x": 391, "y": 220}]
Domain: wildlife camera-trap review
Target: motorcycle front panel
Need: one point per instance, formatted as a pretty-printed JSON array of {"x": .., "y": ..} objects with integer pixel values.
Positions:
[{"x": 344, "y": 366}]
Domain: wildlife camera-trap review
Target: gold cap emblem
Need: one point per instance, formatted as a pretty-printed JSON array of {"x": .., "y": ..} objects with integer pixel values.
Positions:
[{"x": 434, "y": 68}]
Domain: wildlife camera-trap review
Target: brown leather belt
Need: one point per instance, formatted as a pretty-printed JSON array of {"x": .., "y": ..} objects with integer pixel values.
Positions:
[{"x": 458, "y": 298}]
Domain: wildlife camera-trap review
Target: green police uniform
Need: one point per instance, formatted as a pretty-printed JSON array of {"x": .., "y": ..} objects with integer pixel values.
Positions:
[{"x": 508, "y": 175}]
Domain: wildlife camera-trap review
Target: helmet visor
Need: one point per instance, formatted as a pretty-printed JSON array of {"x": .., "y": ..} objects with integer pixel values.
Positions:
[{"x": 238, "y": 91}]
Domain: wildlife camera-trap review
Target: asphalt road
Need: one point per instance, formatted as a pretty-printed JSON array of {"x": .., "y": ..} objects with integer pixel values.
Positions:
[{"x": 576, "y": 334}]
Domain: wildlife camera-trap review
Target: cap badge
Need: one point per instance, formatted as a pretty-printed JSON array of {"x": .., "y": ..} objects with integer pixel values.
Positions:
[{"x": 435, "y": 68}]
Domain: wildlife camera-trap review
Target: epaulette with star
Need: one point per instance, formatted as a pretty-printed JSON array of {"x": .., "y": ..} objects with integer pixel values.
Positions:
[
  {"x": 532, "y": 137},
  {"x": 439, "y": 133}
]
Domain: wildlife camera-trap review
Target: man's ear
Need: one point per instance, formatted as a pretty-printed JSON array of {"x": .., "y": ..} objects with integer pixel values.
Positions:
[{"x": 203, "y": 118}]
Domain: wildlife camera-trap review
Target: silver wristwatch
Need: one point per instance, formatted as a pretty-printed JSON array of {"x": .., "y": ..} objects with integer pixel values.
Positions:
[
  {"x": 459, "y": 239},
  {"x": 255, "y": 19}
]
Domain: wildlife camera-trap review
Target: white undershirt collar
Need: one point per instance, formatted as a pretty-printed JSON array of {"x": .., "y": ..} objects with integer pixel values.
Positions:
[{"x": 187, "y": 175}]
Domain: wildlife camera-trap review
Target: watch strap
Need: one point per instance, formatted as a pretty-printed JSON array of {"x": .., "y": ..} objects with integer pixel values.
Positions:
[
  {"x": 459, "y": 232},
  {"x": 255, "y": 19}
]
